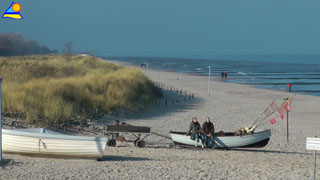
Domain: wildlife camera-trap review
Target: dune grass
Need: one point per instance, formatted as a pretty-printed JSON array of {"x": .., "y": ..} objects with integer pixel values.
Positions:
[{"x": 47, "y": 89}]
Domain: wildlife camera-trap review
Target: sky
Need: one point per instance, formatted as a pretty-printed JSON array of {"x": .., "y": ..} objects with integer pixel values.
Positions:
[{"x": 170, "y": 27}]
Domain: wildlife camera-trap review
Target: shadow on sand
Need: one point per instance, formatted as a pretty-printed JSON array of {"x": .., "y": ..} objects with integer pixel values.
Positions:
[
  {"x": 191, "y": 148},
  {"x": 180, "y": 104},
  {"x": 8, "y": 162},
  {"x": 122, "y": 158},
  {"x": 270, "y": 151}
]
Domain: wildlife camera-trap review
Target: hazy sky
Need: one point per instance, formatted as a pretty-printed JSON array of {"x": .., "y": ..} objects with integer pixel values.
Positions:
[{"x": 171, "y": 27}]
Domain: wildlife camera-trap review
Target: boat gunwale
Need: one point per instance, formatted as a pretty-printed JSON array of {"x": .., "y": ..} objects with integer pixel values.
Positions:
[
  {"x": 51, "y": 136},
  {"x": 218, "y": 135}
]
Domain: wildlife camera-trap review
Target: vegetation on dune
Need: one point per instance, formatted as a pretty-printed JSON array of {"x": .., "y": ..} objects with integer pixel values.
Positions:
[{"x": 48, "y": 89}]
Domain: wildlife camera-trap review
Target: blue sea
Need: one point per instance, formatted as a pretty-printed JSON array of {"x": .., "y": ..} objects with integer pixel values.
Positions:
[{"x": 262, "y": 71}]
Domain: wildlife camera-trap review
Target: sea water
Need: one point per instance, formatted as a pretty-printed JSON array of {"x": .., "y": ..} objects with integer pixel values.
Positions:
[{"x": 262, "y": 71}]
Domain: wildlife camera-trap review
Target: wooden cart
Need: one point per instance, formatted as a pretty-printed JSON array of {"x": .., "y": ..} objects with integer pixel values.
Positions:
[{"x": 138, "y": 134}]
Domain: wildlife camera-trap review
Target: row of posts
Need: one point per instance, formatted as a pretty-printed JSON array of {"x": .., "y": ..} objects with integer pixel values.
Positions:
[{"x": 174, "y": 91}]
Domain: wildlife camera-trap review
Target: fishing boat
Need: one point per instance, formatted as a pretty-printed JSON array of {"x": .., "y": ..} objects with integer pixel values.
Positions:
[
  {"x": 259, "y": 138},
  {"x": 41, "y": 141}
]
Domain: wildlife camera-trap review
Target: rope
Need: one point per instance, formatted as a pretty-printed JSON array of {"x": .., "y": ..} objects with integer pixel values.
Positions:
[{"x": 163, "y": 137}]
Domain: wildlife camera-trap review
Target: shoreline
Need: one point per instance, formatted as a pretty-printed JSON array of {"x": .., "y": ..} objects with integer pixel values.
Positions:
[{"x": 213, "y": 78}]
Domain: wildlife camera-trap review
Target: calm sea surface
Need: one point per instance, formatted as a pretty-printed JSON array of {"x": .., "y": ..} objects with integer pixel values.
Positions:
[{"x": 269, "y": 72}]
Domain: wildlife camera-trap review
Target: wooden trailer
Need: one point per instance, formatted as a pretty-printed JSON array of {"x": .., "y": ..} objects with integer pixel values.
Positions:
[{"x": 135, "y": 134}]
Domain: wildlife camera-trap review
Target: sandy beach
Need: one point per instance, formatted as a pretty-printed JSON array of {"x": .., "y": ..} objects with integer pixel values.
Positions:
[{"x": 230, "y": 106}]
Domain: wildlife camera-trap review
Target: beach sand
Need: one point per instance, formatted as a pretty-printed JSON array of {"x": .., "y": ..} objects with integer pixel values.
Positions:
[{"x": 230, "y": 106}]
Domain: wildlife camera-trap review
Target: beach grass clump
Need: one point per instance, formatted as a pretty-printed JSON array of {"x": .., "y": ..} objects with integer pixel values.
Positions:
[{"x": 48, "y": 89}]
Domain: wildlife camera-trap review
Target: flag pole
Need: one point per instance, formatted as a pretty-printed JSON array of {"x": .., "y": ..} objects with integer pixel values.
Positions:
[
  {"x": 288, "y": 126},
  {"x": 315, "y": 165},
  {"x": 287, "y": 122}
]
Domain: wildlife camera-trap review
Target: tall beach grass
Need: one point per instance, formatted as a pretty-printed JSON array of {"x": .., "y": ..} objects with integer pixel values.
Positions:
[{"x": 47, "y": 89}]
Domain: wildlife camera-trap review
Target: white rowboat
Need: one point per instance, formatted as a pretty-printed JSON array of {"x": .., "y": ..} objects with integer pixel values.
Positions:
[
  {"x": 40, "y": 141},
  {"x": 227, "y": 140}
]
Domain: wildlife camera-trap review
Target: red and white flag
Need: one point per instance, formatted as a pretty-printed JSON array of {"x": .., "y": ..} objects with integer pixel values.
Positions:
[
  {"x": 273, "y": 120},
  {"x": 281, "y": 116}
]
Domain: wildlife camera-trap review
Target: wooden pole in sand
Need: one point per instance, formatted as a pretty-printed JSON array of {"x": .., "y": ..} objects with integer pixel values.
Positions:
[
  {"x": 287, "y": 123},
  {"x": 315, "y": 164},
  {"x": 287, "y": 126},
  {"x": 0, "y": 119}
]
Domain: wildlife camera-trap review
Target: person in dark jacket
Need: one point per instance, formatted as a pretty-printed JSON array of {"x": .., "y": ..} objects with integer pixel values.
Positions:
[
  {"x": 207, "y": 131},
  {"x": 194, "y": 130}
]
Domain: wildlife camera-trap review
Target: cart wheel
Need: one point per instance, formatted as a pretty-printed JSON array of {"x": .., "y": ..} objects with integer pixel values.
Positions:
[
  {"x": 135, "y": 142},
  {"x": 112, "y": 143},
  {"x": 141, "y": 144}
]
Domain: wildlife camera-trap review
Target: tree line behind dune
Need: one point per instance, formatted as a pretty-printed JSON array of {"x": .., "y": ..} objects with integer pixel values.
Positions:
[{"x": 12, "y": 44}]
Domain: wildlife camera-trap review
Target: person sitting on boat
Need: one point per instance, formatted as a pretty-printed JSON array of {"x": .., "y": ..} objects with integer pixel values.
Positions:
[
  {"x": 194, "y": 130},
  {"x": 207, "y": 131}
]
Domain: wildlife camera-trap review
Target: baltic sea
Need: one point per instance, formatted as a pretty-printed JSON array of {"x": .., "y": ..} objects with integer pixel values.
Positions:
[{"x": 262, "y": 71}]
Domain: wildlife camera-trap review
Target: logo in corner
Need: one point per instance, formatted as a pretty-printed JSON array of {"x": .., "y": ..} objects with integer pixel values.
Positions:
[{"x": 13, "y": 12}]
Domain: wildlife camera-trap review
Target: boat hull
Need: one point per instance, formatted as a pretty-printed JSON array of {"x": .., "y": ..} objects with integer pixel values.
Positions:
[
  {"x": 257, "y": 139},
  {"x": 43, "y": 144}
]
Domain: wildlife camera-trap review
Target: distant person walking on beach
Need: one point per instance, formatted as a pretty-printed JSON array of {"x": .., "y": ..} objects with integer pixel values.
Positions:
[
  {"x": 194, "y": 130},
  {"x": 224, "y": 76},
  {"x": 208, "y": 130}
]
